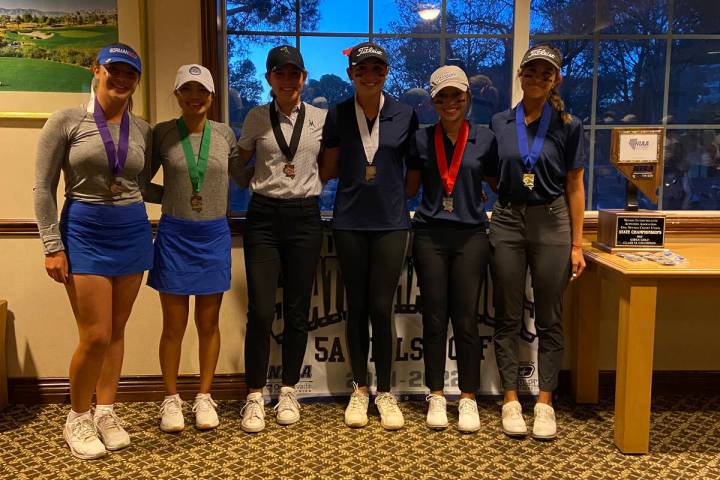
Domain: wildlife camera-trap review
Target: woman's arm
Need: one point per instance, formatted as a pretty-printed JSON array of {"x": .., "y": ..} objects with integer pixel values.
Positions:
[
  {"x": 412, "y": 183},
  {"x": 329, "y": 163},
  {"x": 575, "y": 192}
]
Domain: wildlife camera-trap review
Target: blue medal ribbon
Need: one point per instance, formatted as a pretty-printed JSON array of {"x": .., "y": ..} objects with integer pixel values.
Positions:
[{"x": 530, "y": 157}]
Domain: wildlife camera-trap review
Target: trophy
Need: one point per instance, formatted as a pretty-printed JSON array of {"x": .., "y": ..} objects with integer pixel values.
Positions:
[{"x": 638, "y": 155}]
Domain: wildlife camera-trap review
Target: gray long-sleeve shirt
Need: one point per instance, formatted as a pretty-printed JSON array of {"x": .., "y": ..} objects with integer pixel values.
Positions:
[
  {"x": 223, "y": 161},
  {"x": 70, "y": 143}
]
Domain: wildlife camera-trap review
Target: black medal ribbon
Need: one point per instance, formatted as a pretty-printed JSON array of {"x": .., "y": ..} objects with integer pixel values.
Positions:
[{"x": 288, "y": 151}]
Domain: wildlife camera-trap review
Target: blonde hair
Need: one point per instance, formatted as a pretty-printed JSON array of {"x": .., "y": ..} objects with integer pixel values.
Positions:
[{"x": 558, "y": 104}]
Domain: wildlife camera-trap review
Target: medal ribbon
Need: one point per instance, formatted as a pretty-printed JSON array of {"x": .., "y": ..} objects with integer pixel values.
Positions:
[
  {"x": 196, "y": 168},
  {"x": 448, "y": 177},
  {"x": 370, "y": 138},
  {"x": 290, "y": 151},
  {"x": 116, "y": 158},
  {"x": 530, "y": 158}
]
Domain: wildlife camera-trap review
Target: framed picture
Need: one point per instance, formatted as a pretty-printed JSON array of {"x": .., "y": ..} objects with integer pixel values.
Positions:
[
  {"x": 47, "y": 48},
  {"x": 637, "y": 145}
]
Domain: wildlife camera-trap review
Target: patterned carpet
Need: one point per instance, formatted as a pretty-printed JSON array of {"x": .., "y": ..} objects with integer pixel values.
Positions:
[{"x": 685, "y": 444}]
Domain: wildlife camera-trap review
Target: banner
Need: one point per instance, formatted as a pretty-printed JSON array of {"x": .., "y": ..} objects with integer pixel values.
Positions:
[{"x": 326, "y": 369}]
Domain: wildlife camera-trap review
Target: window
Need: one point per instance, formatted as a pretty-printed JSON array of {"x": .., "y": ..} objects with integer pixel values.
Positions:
[
  {"x": 645, "y": 63},
  {"x": 419, "y": 37}
]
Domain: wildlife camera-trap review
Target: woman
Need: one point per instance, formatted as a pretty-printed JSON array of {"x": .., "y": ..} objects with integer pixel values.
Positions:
[
  {"x": 103, "y": 242},
  {"x": 192, "y": 247},
  {"x": 450, "y": 243},
  {"x": 283, "y": 234},
  {"x": 366, "y": 139},
  {"x": 537, "y": 222}
]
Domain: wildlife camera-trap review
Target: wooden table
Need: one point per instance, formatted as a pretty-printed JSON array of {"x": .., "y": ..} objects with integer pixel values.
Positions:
[{"x": 635, "y": 294}]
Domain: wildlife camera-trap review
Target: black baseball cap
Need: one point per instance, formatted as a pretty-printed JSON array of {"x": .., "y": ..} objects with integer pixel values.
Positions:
[
  {"x": 545, "y": 52},
  {"x": 283, "y": 55},
  {"x": 365, "y": 50}
]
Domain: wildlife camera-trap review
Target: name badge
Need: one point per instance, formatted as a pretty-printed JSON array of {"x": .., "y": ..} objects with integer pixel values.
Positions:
[{"x": 370, "y": 172}]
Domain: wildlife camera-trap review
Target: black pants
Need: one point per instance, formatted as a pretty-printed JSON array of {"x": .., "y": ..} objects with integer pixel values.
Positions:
[
  {"x": 281, "y": 235},
  {"x": 451, "y": 265},
  {"x": 370, "y": 262},
  {"x": 538, "y": 237}
]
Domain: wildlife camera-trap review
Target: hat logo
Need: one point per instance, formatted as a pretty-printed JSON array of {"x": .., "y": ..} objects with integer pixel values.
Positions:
[
  {"x": 194, "y": 71},
  {"x": 123, "y": 51},
  {"x": 541, "y": 52},
  {"x": 367, "y": 50},
  {"x": 445, "y": 76},
  {"x": 285, "y": 50}
]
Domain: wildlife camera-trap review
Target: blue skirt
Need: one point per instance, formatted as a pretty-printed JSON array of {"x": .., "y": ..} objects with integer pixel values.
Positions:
[
  {"x": 107, "y": 240},
  {"x": 192, "y": 257}
]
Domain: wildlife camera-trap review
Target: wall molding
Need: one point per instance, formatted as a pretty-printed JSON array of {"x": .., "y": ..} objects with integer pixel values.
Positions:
[{"x": 149, "y": 388}]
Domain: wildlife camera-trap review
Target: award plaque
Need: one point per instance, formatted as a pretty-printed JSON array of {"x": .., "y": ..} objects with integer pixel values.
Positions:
[{"x": 637, "y": 153}]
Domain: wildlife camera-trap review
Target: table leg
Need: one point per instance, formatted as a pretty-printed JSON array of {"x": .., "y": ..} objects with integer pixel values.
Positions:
[
  {"x": 636, "y": 335},
  {"x": 584, "y": 368}
]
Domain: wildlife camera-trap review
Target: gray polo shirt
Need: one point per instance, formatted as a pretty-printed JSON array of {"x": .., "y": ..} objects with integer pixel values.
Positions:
[
  {"x": 70, "y": 143},
  {"x": 224, "y": 160},
  {"x": 269, "y": 178}
]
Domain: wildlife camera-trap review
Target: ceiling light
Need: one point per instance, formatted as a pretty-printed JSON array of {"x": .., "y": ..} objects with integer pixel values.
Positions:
[{"x": 428, "y": 12}]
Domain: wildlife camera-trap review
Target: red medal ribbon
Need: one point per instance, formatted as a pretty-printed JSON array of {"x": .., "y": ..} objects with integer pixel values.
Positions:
[{"x": 448, "y": 177}]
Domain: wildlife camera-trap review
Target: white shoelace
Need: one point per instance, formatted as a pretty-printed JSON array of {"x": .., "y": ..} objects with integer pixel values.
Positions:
[
  {"x": 437, "y": 403},
  {"x": 170, "y": 406},
  {"x": 83, "y": 429},
  {"x": 514, "y": 411},
  {"x": 357, "y": 399},
  {"x": 387, "y": 401},
  {"x": 287, "y": 401},
  {"x": 109, "y": 421},
  {"x": 252, "y": 409},
  {"x": 204, "y": 404},
  {"x": 545, "y": 414},
  {"x": 467, "y": 407}
]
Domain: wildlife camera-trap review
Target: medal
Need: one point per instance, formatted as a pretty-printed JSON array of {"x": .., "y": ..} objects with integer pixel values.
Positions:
[
  {"x": 530, "y": 157},
  {"x": 448, "y": 204},
  {"x": 289, "y": 170},
  {"x": 196, "y": 169},
  {"x": 196, "y": 202},
  {"x": 449, "y": 175},
  {"x": 370, "y": 172},
  {"x": 529, "y": 180},
  {"x": 116, "y": 186}
]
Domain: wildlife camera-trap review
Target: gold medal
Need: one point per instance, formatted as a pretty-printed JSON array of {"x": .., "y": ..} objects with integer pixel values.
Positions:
[
  {"x": 196, "y": 202},
  {"x": 289, "y": 170},
  {"x": 448, "y": 204},
  {"x": 116, "y": 186},
  {"x": 370, "y": 172},
  {"x": 529, "y": 180}
]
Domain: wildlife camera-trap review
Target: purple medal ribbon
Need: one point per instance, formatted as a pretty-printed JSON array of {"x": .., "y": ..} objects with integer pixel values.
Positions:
[{"x": 116, "y": 159}]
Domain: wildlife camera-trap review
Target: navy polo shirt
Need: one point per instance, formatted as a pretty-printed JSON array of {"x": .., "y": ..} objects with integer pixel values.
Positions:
[
  {"x": 562, "y": 150},
  {"x": 480, "y": 159},
  {"x": 380, "y": 203}
]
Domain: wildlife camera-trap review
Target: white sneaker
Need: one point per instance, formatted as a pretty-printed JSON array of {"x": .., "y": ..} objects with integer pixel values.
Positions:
[
  {"x": 171, "y": 414},
  {"x": 356, "y": 410},
  {"x": 544, "y": 426},
  {"x": 513, "y": 423},
  {"x": 287, "y": 410},
  {"x": 391, "y": 418},
  {"x": 253, "y": 413},
  {"x": 110, "y": 430},
  {"x": 82, "y": 438},
  {"x": 468, "y": 416},
  {"x": 437, "y": 412},
  {"x": 205, "y": 414}
]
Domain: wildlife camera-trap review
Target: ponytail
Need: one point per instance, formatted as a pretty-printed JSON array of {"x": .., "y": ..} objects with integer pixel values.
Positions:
[{"x": 557, "y": 103}]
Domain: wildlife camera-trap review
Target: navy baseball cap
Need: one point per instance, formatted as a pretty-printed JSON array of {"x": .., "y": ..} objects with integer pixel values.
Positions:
[
  {"x": 545, "y": 52},
  {"x": 365, "y": 50},
  {"x": 119, "y": 53},
  {"x": 284, "y": 55}
]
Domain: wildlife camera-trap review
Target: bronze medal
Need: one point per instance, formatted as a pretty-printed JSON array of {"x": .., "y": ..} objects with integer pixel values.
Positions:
[
  {"x": 528, "y": 180},
  {"x": 448, "y": 204},
  {"x": 196, "y": 202},
  {"x": 370, "y": 173},
  {"x": 116, "y": 186},
  {"x": 289, "y": 170}
]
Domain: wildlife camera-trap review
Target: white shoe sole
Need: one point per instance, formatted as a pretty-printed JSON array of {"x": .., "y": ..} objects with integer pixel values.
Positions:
[
  {"x": 287, "y": 422},
  {"x": 252, "y": 429},
  {"x": 437, "y": 427},
  {"x": 544, "y": 437},
  {"x": 469, "y": 430},
  {"x": 391, "y": 427},
  {"x": 175, "y": 429},
  {"x": 113, "y": 448},
  {"x": 206, "y": 426},
  {"x": 80, "y": 455},
  {"x": 359, "y": 424},
  {"x": 510, "y": 433}
]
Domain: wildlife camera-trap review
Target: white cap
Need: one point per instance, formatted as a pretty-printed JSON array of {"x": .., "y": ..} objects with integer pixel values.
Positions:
[
  {"x": 194, "y": 73},
  {"x": 448, "y": 76}
]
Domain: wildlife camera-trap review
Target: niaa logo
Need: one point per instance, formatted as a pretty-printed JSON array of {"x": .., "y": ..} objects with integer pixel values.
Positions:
[{"x": 642, "y": 144}]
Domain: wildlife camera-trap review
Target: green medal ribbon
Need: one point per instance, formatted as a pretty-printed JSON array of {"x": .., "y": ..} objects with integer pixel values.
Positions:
[{"x": 196, "y": 168}]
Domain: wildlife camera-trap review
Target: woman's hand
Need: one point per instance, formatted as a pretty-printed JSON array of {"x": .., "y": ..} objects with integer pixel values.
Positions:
[
  {"x": 56, "y": 265},
  {"x": 578, "y": 262}
]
